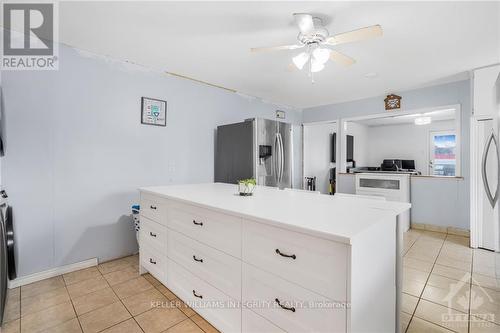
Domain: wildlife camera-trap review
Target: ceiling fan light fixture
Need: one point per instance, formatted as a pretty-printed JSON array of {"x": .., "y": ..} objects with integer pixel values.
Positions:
[
  {"x": 300, "y": 60},
  {"x": 423, "y": 120},
  {"x": 316, "y": 40},
  {"x": 316, "y": 66},
  {"x": 321, "y": 55}
]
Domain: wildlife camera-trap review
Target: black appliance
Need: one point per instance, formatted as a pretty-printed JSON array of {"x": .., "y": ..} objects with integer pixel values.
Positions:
[
  {"x": 264, "y": 151},
  {"x": 3, "y": 269},
  {"x": 311, "y": 183},
  {"x": 334, "y": 146},
  {"x": 350, "y": 148},
  {"x": 7, "y": 258},
  {"x": 9, "y": 235},
  {"x": 408, "y": 164},
  {"x": 333, "y": 181},
  {"x": 391, "y": 165}
]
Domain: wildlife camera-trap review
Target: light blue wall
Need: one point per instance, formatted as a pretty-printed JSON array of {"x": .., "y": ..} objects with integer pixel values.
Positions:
[
  {"x": 76, "y": 152},
  {"x": 435, "y": 201}
]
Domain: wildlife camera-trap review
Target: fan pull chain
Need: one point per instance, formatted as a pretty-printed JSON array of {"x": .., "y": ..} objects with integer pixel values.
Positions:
[{"x": 311, "y": 74}]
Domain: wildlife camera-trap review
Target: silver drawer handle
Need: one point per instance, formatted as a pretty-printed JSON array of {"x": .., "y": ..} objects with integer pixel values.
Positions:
[
  {"x": 151, "y": 234},
  {"x": 152, "y": 261}
]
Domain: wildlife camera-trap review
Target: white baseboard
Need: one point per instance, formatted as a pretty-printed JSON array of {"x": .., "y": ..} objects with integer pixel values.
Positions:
[{"x": 21, "y": 281}]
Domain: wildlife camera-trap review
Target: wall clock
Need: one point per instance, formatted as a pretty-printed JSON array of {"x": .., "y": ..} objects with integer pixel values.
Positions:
[{"x": 392, "y": 102}]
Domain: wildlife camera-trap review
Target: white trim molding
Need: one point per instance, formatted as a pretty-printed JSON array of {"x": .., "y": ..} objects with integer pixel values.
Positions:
[
  {"x": 474, "y": 187},
  {"x": 24, "y": 280}
]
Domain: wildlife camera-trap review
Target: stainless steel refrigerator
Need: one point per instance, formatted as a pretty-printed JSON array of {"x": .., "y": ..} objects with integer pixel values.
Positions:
[{"x": 256, "y": 148}]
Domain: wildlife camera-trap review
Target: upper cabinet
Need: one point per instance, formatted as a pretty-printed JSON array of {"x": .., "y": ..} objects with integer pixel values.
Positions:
[{"x": 484, "y": 91}]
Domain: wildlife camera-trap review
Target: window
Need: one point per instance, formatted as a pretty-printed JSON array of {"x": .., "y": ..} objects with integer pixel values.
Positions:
[{"x": 442, "y": 159}]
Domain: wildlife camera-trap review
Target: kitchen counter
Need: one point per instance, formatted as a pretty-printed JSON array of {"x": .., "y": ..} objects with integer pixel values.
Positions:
[
  {"x": 411, "y": 175},
  {"x": 339, "y": 219},
  {"x": 207, "y": 243}
]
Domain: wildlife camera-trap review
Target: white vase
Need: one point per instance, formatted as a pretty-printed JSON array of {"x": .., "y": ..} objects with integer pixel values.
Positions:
[{"x": 245, "y": 189}]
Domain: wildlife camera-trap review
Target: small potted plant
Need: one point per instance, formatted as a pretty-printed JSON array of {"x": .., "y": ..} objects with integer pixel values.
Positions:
[{"x": 246, "y": 186}]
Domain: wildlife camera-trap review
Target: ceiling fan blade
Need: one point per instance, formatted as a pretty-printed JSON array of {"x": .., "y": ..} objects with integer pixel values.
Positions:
[
  {"x": 304, "y": 22},
  {"x": 276, "y": 48},
  {"x": 356, "y": 35},
  {"x": 341, "y": 58}
]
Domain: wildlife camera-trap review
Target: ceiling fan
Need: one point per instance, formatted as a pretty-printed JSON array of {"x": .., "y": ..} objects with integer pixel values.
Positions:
[{"x": 317, "y": 41}]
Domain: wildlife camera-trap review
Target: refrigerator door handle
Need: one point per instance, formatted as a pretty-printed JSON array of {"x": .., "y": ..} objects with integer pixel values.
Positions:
[
  {"x": 282, "y": 157},
  {"x": 276, "y": 156},
  {"x": 492, "y": 198}
]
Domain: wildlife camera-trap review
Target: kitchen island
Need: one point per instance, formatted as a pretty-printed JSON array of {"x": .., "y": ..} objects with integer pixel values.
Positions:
[{"x": 278, "y": 261}]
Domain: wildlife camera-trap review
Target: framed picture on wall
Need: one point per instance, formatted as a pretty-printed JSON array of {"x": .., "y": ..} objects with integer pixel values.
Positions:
[{"x": 153, "y": 111}]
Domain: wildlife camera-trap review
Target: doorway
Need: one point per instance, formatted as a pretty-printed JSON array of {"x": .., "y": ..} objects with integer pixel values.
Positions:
[{"x": 319, "y": 154}]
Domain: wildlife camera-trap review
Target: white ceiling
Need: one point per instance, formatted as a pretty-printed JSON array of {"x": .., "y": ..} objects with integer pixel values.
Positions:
[
  {"x": 437, "y": 115},
  {"x": 424, "y": 43}
]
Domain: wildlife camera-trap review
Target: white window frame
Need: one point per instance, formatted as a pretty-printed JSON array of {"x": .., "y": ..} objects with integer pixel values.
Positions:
[{"x": 430, "y": 148}]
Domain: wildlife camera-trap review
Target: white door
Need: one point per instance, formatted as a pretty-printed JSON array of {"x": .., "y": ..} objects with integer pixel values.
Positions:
[
  {"x": 487, "y": 165},
  {"x": 485, "y": 161},
  {"x": 442, "y": 153}
]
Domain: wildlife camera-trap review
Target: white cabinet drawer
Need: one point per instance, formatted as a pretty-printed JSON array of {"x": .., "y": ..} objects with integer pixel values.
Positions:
[
  {"x": 220, "y": 231},
  {"x": 212, "y": 304},
  {"x": 307, "y": 311},
  {"x": 217, "y": 268},
  {"x": 316, "y": 264},
  {"x": 153, "y": 208},
  {"x": 253, "y": 323},
  {"x": 154, "y": 235},
  {"x": 153, "y": 262}
]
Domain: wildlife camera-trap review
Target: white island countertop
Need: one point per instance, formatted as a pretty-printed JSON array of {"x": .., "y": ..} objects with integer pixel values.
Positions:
[{"x": 336, "y": 218}]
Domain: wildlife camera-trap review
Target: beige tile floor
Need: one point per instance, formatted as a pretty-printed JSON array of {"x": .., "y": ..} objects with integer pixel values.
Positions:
[
  {"x": 447, "y": 287},
  {"x": 110, "y": 298}
]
